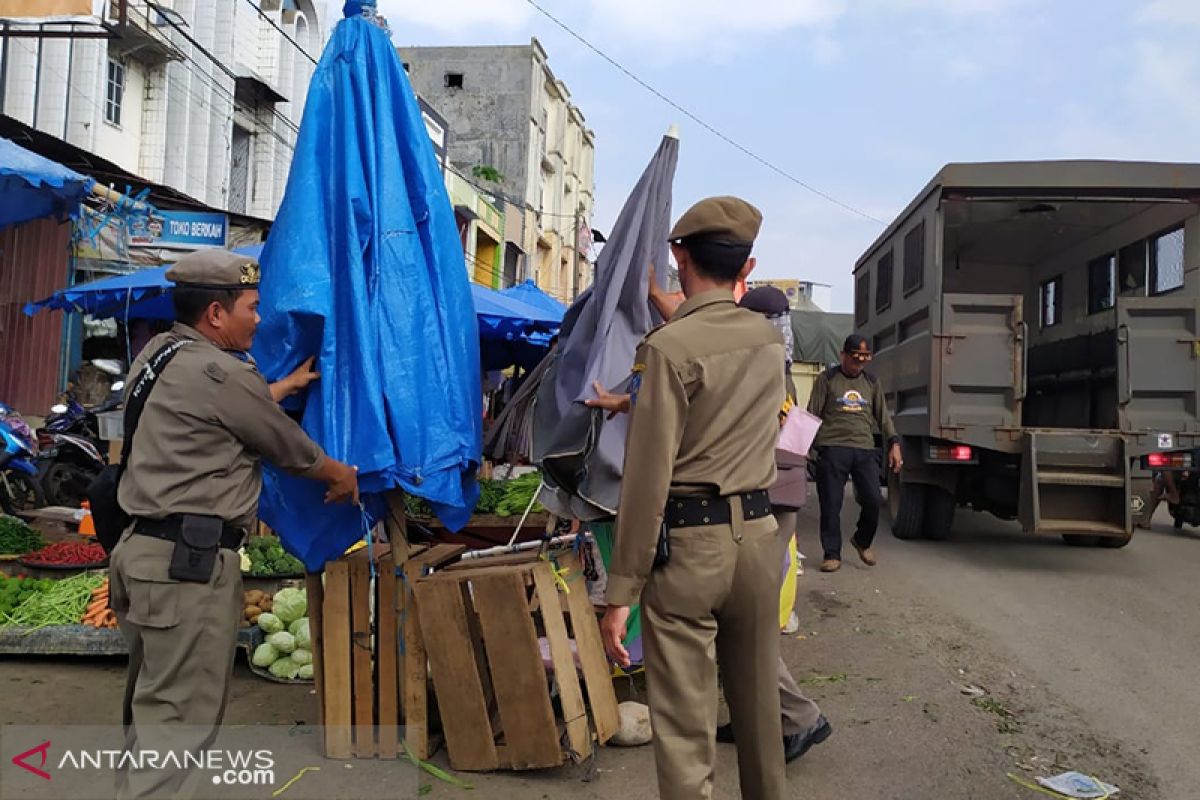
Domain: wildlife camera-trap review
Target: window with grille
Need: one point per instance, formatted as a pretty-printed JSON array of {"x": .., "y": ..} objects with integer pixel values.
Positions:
[
  {"x": 1102, "y": 284},
  {"x": 883, "y": 283},
  {"x": 862, "y": 298},
  {"x": 1166, "y": 261},
  {"x": 115, "y": 92},
  {"x": 1052, "y": 302},
  {"x": 914, "y": 259}
]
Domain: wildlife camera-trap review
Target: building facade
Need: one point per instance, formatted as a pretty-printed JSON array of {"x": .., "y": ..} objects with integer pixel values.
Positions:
[
  {"x": 801, "y": 295},
  {"x": 202, "y": 96},
  {"x": 516, "y": 135}
]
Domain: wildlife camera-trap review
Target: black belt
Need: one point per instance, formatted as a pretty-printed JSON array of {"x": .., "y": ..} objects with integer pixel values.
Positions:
[
  {"x": 692, "y": 512},
  {"x": 168, "y": 529}
]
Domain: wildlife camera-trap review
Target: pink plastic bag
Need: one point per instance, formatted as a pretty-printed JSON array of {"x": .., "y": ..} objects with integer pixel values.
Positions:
[{"x": 798, "y": 431}]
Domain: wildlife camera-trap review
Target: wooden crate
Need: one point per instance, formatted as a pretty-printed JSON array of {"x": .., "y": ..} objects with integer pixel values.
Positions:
[
  {"x": 480, "y": 627},
  {"x": 369, "y": 664}
]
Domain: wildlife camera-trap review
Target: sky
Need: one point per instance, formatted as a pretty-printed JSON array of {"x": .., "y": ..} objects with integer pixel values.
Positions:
[{"x": 863, "y": 100}]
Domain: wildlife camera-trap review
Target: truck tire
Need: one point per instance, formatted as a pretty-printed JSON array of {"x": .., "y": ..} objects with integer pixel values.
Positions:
[
  {"x": 1081, "y": 539},
  {"x": 939, "y": 512},
  {"x": 1114, "y": 542},
  {"x": 906, "y": 508}
]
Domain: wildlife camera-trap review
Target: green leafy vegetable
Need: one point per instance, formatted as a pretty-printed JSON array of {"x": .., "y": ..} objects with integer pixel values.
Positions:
[
  {"x": 17, "y": 538},
  {"x": 299, "y": 629},
  {"x": 289, "y": 605},
  {"x": 58, "y": 603},
  {"x": 269, "y": 623},
  {"x": 301, "y": 656},
  {"x": 265, "y": 655},
  {"x": 285, "y": 668},
  {"x": 283, "y": 641},
  {"x": 517, "y": 494}
]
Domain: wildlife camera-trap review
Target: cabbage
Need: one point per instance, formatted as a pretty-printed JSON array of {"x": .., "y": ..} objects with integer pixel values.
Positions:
[
  {"x": 301, "y": 656},
  {"x": 283, "y": 641},
  {"x": 265, "y": 655},
  {"x": 299, "y": 629},
  {"x": 305, "y": 672},
  {"x": 289, "y": 605},
  {"x": 269, "y": 622},
  {"x": 285, "y": 668}
]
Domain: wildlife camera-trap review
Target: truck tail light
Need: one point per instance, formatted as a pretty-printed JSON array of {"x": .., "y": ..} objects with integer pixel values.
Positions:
[
  {"x": 1169, "y": 461},
  {"x": 950, "y": 452}
]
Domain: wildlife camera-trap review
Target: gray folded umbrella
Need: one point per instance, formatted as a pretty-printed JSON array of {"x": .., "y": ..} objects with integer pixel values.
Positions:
[{"x": 580, "y": 452}]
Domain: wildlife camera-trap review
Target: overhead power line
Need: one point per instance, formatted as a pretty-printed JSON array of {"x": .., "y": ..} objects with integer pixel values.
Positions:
[{"x": 779, "y": 170}]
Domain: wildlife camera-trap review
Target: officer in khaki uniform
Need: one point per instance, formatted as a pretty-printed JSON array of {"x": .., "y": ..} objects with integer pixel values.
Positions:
[
  {"x": 706, "y": 392},
  {"x": 196, "y": 463}
]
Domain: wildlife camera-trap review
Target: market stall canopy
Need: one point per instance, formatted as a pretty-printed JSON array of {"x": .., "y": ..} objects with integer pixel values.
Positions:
[
  {"x": 506, "y": 316},
  {"x": 364, "y": 270},
  {"x": 528, "y": 292},
  {"x": 818, "y": 336},
  {"x": 582, "y": 455},
  {"x": 144, "y": 294},
  {"x": 32, "y": 187}
]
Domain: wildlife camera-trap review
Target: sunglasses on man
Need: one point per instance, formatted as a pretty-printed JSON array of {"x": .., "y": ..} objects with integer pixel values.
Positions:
[{"x": 860, "y": 357}]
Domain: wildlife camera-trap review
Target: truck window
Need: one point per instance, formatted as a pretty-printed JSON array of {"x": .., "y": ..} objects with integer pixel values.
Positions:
[
  {"x": 883, "y": 283},
  {"x": 1132, "y": 264},
  {"x": 1051, "y": 305},
  {"x": 862, "y": 298},
  {"x": 914, "y": 259},
  {"x": 1166, "y": 261},
  {"x": 1102, "y": 288}
]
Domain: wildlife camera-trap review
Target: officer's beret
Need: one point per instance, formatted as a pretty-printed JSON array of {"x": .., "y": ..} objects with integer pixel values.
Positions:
[
  {"x": 215, "y": 269},
  {"x": 729, "y": 219}
]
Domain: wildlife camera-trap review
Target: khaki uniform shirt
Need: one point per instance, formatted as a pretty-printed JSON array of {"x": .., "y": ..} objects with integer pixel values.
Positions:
[
  {"x": 706, "y": 393},
  {"x": 205, "y": 426}
]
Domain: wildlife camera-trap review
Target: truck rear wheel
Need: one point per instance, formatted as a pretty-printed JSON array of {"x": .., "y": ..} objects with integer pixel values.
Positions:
[
  {"x": 906, "y": 507},
  {"x": 1081, "y": 539},
  {"x": 939, "y": 512},
  {"x": 1114, "y": 541}
]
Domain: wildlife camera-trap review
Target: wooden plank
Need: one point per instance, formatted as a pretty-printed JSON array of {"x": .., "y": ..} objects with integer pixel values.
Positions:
[
  {"x": 360, "y": 634},
  {"x": 527, "y": 557},
  {"x": 316, "y": 602},
  {"x": 456, "y": 678},
  {"x": 596, "y": 672},
  {"x": 437, "y": 556},
  {"x": 336, "y": 635},
  {"x": 386, "y": 663},
  {"x": 515, "y": 661},
  {"x": 476, "y": 632},
  {"x": 414, "y": 689},
  {"x": 570, "y": 694},
  {"x": 396, "y": 525}
]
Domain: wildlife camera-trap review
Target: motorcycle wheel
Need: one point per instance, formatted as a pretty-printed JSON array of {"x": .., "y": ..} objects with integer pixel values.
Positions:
[
  {"x": 65, "y": 485},
  {"x": 20, "y": 492}
]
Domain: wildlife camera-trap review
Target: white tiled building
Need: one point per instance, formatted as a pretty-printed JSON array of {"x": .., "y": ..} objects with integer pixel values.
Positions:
[{"x": 219, "y": 129}]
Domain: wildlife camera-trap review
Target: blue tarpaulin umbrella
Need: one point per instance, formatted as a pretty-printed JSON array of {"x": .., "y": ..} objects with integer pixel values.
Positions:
[
  {"x": 364, "y": 269},
  {"x": 529, "y": 293},
  {"x": 32, "y": 187}
]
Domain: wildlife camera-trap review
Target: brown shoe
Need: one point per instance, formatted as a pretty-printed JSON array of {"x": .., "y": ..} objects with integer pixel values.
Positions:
[
  {"x": 866, "y": 554},
  {"x": 831, "y": 565}
]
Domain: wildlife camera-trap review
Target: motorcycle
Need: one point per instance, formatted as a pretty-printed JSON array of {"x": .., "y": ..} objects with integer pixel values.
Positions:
[
  {"x": 20, "y": 489},
  {"x": 70, "y": 445}
]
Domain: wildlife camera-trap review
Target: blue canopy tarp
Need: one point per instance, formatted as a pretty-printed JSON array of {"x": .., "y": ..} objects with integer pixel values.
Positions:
[
  {"x": 364, "y": 269},
  {"x": 32, "y": 187},
  {"x": 143, "y": 294},
  {"x": 529, "y": 293}
]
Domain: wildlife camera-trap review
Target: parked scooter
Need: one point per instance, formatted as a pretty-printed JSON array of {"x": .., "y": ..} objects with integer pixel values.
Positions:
[
  {"x": 70, "y": 444},
  {"x": 20, "y": 489}
]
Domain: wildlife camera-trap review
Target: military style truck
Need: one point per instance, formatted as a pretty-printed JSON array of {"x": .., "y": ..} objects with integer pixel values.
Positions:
[{"x": 1036, "y": 328}]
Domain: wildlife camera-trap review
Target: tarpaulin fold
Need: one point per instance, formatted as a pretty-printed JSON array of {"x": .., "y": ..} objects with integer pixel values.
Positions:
[
  {"x": 364, "y": 269},
  {"x": 32, "y": 187},
  {"x": 582, "y": 454}
]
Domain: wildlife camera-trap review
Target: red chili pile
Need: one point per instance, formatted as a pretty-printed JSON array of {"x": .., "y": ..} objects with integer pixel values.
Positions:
[{"x": 66, "y": 554}]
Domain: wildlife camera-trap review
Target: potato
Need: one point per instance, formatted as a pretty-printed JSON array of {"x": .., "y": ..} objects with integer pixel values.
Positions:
[
  {"x": 265, "y": 604},
  {"x": 252, "y": 611},
  {"x": 254, "y": 597}
]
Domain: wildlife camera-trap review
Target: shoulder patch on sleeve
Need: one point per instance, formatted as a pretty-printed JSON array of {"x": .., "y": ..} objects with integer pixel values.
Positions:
[{"x": 215, "y": 371}]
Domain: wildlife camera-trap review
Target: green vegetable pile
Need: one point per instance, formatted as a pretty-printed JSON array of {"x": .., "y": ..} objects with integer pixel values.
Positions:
[
  {"x": 15, "y": 591},
  {"x": 17, "y": 538},
  {"x": 62, "y": 603},
  {"x": 267, "y": 557},
  {"x": 517, "y": 494},
  {"x": 491, "y": 494},
  {"x": 287, "y": 651},
  {"x": 416, "y": 508}
]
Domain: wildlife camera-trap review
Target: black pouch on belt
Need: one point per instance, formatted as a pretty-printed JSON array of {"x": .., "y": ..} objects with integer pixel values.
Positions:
[
  {"x": 662, "y": 551},
  {"x": 195, "y": 552}
]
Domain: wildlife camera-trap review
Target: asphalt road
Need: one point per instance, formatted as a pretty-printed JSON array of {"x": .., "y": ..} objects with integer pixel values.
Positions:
[{"x": 1114, "y": 633}]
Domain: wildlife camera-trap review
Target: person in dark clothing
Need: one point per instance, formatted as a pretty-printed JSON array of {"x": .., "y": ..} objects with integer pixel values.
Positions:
[{"x": 852, "y": 408}]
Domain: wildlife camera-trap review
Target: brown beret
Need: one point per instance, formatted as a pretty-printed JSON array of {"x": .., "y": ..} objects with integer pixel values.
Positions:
[
  {"x": 215, "y": 269},
  {"x": 729, "y": 219}
]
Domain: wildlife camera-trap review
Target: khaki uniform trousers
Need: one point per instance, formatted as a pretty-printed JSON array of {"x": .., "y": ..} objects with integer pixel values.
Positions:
[
  {"x": 181, "y": 638},
  {"x": 800, "y": 714},
  {"x": 716, "y": 600}
]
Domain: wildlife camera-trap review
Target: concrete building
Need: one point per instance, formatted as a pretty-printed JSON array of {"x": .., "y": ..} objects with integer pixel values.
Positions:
[
  {"x": 801, "y": 295},
  {"x": 513, "y": 127},
  {"x": 204, "y": 99}
]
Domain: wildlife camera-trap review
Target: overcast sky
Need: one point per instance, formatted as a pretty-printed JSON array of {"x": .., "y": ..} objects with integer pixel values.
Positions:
[{"x": 863, "y": 99}]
